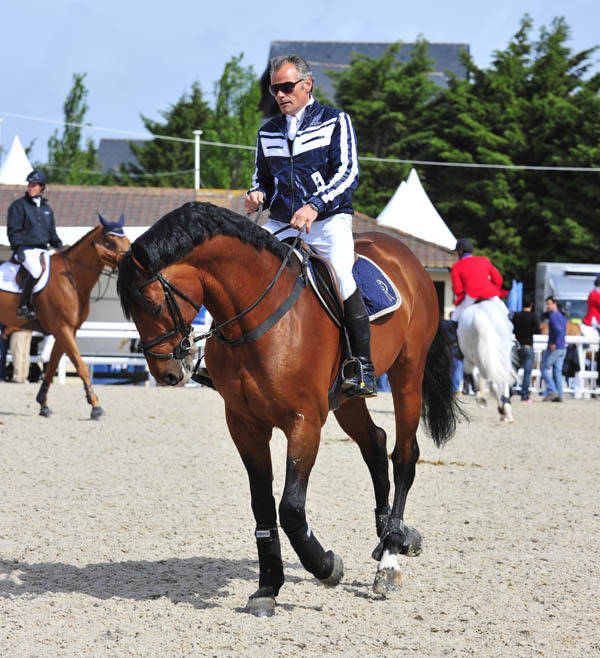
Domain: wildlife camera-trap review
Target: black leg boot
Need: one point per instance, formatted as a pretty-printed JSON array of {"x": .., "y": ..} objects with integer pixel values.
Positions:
[
  {"x": 362, "y": 381},
  {"x": 26, "y": 309}
]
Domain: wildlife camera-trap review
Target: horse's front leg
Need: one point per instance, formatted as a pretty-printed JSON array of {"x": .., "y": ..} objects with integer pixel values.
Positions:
[
  {"x": 303, "y": 444},
  {"x": 252, "y": 443},
  {"x": 67, "y": 338},
  {"x": 397, "y": 538},
  {"x": 42, "y": 396}
]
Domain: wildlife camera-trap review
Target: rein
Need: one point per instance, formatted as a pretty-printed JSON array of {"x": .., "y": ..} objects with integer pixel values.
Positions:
[{"x": 182, "y": 349}]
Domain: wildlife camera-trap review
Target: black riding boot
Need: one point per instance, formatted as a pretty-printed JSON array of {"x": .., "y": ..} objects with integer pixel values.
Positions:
[
  {"x": 26, "y": 309},
  {"x": 362, "y": 381}
]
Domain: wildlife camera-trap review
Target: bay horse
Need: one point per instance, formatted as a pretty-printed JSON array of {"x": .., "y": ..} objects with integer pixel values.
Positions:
[
  {"x": 63, "y": 305},
  {"x": 273, "y": 354},
  {"x": 485, "y": 337}
]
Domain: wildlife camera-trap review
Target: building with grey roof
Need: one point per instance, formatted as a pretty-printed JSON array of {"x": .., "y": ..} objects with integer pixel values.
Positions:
[{"x": 324, "y": 56}]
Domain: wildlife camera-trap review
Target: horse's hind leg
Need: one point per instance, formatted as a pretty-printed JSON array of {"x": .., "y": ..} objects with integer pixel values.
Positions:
[
  {"x": 397, "y": 537},
  {"x": 42, "y": 396},
  {"x": 354, "y": 418},
  {"x": 67, "y": 339},
  {"x": 253, "y": 445}
]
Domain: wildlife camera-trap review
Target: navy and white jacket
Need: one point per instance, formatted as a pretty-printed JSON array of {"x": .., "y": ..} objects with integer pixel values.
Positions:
[{"x": 321, "y": 169}]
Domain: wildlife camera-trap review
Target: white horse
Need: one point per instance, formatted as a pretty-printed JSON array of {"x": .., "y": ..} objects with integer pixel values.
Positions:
[{"x": 485, "y": 337}]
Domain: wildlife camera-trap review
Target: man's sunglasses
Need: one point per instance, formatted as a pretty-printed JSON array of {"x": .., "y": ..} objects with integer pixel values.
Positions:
[{"x": 285, "y": 87}]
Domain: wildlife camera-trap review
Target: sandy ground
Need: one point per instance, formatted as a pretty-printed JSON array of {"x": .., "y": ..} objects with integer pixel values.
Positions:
[{"x": 133, "y": 536}]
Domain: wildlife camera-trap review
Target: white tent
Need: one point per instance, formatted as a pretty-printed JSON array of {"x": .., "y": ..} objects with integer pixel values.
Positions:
[
  {"x": 16, "y": 165},
  {"x": 410, "y": 211}
]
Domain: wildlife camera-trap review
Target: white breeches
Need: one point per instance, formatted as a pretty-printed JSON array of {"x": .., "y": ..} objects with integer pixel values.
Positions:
[
  {"x": 589, "y": 331},
  {"x": 32, "y": 261},
  {"x": 468, "y": 301},
  {"x": 331, "y": 238}
]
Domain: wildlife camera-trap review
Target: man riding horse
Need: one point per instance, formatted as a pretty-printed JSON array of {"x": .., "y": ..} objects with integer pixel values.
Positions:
[
  {"x": 31, "y": 227},
  {"x": 473, "y": 278},
  {"x": 306, "y": 171}
]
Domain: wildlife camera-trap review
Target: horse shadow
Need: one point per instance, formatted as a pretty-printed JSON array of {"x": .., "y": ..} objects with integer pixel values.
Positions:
[{"x": 198, "y": 581}]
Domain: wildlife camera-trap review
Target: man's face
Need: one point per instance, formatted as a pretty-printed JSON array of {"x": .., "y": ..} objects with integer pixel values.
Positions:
[
  {"x": 34, "y": 189},
  {"x": 551, "y": 306},
  {"x": 294, "y": 101}
]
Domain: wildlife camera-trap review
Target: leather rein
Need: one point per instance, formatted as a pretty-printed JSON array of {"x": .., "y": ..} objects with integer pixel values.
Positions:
[{"x": 184, "y": 346}]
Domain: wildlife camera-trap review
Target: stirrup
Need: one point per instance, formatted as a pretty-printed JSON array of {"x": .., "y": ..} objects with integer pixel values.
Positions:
[{"x": 362, "y": 382}]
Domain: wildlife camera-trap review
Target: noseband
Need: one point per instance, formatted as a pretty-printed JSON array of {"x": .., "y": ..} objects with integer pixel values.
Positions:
[{"x": 184, "y": 346}]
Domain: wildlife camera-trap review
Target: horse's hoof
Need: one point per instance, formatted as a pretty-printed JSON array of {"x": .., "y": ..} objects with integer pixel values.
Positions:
[
  {"x": 387, "y": 581},
  {"x": 414, "y": 542},
  {"x": 96, "y": 413},
  {"x": 262, "y": 603},
  {"x": 481, "y": 402},
  {"x": 45, "y": 412},
  {"x": 337, "y": 572}
]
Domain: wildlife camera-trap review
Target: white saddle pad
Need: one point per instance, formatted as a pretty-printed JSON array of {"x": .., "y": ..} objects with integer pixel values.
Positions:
[{"x": 8, "y": 274}]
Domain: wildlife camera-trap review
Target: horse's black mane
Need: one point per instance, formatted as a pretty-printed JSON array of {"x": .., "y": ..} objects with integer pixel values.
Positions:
[{"x": 176, "y": 234}]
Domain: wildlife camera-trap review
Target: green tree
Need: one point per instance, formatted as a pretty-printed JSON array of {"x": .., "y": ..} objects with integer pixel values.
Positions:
[
  {"x": 387, "y": 101},
  {"x": 67, "y": 161},
  {"x": 234, "y": 120},
  {"x": 533, "y": 106},
  {"x": 171, "y": 161}
]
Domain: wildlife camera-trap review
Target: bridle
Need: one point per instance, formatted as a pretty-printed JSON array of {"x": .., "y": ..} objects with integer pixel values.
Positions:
[{"x": 182, "y": 349}]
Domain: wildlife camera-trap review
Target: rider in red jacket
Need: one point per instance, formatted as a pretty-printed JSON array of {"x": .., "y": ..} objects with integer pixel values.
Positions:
[{"x": 473, "y": 278}]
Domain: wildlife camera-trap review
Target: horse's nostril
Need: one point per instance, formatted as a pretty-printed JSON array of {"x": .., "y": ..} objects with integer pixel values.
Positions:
[{"x": 170, "y": 380}]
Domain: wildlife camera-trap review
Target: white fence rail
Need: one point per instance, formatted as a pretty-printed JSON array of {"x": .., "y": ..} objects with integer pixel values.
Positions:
[
  {"x": 585, "y": 382},
  {"x": 123, "y": 331}
]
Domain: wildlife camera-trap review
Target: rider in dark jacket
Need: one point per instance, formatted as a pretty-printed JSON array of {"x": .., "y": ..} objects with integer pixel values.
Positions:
[{"x": 30, "y": 225}]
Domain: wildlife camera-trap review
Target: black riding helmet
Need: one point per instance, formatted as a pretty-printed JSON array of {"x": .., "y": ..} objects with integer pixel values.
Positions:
[
  {"x": 37, "y": 176},
  {"x": 465, "y": 245}
]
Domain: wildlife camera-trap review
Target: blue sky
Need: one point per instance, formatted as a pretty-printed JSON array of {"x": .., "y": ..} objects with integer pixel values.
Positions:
[{"x": 140, "y": 57}]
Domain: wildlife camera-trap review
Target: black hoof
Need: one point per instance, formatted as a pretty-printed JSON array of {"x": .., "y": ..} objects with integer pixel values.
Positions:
[
  {"x": 96, "y": 413},
  {"x": 337, "y": 572},
  {"x": 413, "y": 542},
  {"x": 262, "y": 603},
  {"x": 45, "y": 412}
]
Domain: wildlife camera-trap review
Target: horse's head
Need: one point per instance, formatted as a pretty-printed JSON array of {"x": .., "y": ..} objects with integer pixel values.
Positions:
[
  {"x": 112, "y": 235},
  {"x": 161, "y": 310}
]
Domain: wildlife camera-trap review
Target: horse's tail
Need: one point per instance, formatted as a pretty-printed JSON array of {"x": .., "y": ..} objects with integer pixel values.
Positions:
[
  {"x": 440, "y": 411},
  {"x": 494, "y": 343}
]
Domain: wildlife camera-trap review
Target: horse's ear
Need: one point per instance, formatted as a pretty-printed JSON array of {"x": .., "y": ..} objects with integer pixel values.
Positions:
[
  {"x": 102, "y": 220},
  {"x": 107, "y": 256}
]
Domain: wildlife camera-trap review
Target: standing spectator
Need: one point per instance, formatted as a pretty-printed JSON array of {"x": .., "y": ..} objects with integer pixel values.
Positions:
[
  {"x": 590, "y": 325},
  {"x": 526, "y": 325},
  {"x": 31, "y": 227},
  {"x": 554, "y": 356},
  {"x": 20, "y": 345}
]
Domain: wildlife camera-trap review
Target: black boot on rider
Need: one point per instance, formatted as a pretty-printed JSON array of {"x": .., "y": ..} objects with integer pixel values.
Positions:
[
  {"x": 26, "y": 309},
  {"x": 362, "y": 382}
]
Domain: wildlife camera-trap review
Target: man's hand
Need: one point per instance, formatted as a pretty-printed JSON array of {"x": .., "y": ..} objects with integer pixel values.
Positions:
[
  {"x": 304, "y": 217},
  {"x": 252, "y": 201},
  {"x": 20, "y": 255},
  {"x": 552, "y": 347}
]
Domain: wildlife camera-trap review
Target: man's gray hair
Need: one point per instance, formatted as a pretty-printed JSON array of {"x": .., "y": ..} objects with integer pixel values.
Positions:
[{"x": 299, "y": 62}]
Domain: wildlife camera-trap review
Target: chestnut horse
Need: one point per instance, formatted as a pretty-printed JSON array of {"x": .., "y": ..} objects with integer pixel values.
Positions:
[
  {"x": 63, "y": 305},
  {"x": 273, "y": 353}
]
